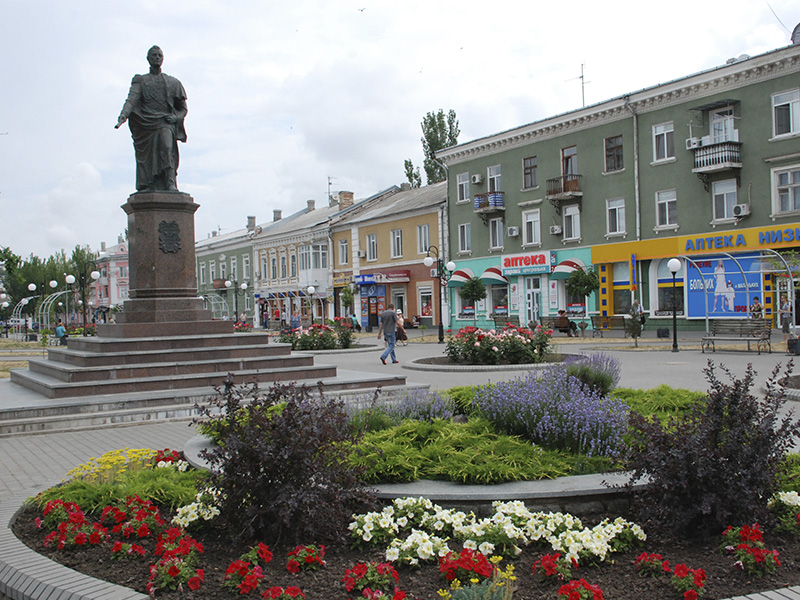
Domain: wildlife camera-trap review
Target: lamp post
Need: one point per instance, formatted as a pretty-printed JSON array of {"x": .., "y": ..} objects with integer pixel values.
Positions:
[
  {"x": 443, "y": 272},
  {"x": 239, "y": 289},
  {"x": 311, "y": 290},
  {"x": 83, "y": 279},
  {"x": 674, "y": 265}
]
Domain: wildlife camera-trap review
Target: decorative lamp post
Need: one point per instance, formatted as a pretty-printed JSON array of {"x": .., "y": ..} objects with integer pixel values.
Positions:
[
  {"x": 443, "y": 272},
  {"x": 70, "y": 279},
  {"x": 82, "y": 281},
  {"x": 674, "y": 265},
  {"x": 311, "y": 291},
  {"x": 239, "y": 289}
]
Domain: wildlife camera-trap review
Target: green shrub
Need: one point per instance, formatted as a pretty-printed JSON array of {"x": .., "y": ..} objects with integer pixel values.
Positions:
[
  {"x": 469, "y": 452},
  {"x": 789, "y": 479},
  {"x": 597, "y": 381},
  {"x": 715, "y": 464},
  {"x": 662, "y": 402},
  {"x": 463, "y": 399}
]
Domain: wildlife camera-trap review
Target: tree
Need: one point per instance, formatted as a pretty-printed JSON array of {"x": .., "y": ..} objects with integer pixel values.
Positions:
[
  {"x": 472, "y": 291},
  {"x": 582, "y": 283},
  {"x": 347, "y": 298},
  {"x": 438, "y": 131},
  {"x": 412, "y": 174}
]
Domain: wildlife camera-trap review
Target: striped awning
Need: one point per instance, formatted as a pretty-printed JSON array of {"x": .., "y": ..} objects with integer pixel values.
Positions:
[
  {"x": 566, "y": 268},
  {"x": 460, "y": 277},
  {"x": 493, "y": 275}
]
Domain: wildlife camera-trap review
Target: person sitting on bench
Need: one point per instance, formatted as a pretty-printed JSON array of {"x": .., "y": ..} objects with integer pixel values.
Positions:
[{"x": 564, "y": 325}]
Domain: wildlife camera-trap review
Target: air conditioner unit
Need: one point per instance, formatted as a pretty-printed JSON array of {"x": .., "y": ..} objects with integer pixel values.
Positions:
[
  {"x": 555, "y": 229},
  {"x": 477, "y": 179},
  {"x": 513, "y": 231},
  {"x": 692, "y": 142},
  {"x": 741, "y": 210},
  {"x": 362, "y": 254}
]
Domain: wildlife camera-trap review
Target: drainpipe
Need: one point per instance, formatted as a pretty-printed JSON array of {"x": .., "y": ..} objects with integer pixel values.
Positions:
[
  {"x": 444, "y": 249},
  {"x": 635, "y": 167}
]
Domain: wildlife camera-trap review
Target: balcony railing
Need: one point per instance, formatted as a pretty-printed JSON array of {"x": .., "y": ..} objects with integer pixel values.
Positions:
[
  {"x": 566, "y": 186},
  {"x": 717, "y": 157},
  {"x": 489, "y": 202}
]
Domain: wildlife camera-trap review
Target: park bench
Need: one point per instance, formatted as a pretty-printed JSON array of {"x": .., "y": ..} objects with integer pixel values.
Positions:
[
  {"x": 556, "y": 323},
  {"x": 501, "y": 321},
  {"x": 603, "y": 323},
  {"x": 739, "y": 330}
]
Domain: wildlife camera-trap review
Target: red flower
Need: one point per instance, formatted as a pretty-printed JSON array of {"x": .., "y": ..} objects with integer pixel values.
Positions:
[
  {"x": 690, "y": 595},
  {"x": 293, "y": 566},
  {"x": 681, "y": 570},
  {"x": 195, "y": 582},
  {"x": 264, "y": 553},
  {"x": 173, "y": 571}
]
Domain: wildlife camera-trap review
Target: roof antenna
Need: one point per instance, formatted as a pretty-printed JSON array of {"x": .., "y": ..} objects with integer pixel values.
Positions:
[
  {"x": 583, "y": 86},
  {"x": 776, "y": 16}
]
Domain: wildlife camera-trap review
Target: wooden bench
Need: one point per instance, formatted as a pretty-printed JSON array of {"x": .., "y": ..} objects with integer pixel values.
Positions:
[
  {"x": 603, "y": 323},
  {"x": 556, "y": 324},
  {"x": 739, "y": 330},
  {"x": 501, "y": 322}
]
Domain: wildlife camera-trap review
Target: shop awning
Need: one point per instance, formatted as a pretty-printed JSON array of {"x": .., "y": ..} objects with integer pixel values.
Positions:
[
  {"x": 566, "y": 268},
  {"x": 460, "y": 277},
  {"x": 493, "y": 276}
]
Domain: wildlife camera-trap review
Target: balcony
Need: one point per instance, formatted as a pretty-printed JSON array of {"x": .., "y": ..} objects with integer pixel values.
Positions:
[
  {"x": 714, "y": 158},
  {"x": 563, "y": 190},
  {"x": 488, "y": 204}
]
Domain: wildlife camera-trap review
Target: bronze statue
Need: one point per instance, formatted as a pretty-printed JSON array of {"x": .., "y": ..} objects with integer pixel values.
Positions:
[{"x": 155, "y": 110}]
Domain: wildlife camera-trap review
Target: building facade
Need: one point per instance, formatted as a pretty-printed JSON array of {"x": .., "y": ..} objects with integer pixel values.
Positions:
[{"x": 705, "y": 168}]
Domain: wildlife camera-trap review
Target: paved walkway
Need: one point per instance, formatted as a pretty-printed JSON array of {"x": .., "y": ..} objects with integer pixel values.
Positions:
[{"x": 32, "y": 463}]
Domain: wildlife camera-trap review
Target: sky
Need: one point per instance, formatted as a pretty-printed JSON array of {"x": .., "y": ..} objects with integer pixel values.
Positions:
[{"x": 285, "y": 97}]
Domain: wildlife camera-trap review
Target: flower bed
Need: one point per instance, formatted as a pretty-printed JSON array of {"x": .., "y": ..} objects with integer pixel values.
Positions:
[
  {"x": 320, "y": 337},
  {"x": 511, "y": 345}
]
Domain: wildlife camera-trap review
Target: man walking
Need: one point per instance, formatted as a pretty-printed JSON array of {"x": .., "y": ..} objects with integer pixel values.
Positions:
[{"x": 389, "y": 329}]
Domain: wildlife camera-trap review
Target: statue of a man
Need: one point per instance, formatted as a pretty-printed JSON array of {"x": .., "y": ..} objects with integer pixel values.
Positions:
[{"x": 155, "y": 110}]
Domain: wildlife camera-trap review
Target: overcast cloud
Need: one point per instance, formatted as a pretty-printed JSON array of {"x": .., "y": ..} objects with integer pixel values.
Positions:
[{"x": 283, "y": 95}]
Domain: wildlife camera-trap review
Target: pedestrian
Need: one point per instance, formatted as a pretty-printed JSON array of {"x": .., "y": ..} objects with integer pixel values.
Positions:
[
  {"x": 284, "y": 319},
  {"x": 356, "y": 324},
  {"x": 388, "y": 328},
  {"x": 401, "y": 328},
  {"x": 61, "y": 333},
  {"x": 295, "y": 324},
  {"x": 638, "y": 312},
  {"x": 564, "y": 325},
  {"x": 756, "y": 309},
  {"x": 786, "y": 317}
]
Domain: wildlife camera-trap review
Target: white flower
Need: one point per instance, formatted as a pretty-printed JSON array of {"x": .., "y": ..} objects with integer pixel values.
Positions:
[
  {"x": 486, "y": 548},
  {"x": 392, "y": 554}
]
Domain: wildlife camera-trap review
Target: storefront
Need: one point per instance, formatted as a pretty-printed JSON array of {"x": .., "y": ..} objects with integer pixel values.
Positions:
[
  {"x": 720, "y": 275},
  {"x": 378, "y": 290}
]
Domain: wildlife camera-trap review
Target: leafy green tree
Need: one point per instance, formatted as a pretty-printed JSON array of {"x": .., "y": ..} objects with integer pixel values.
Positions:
[
  {"x": 582, "y": 283},
  {"x": 348, "y": 299},
  {"x": 472, "y": 291},
  {"x": 439, "y": 130},
  {"x": 412, "y": 174}
]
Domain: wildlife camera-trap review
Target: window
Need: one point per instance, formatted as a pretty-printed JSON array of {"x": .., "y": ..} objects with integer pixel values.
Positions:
[
  {"x": 499, "y": 299},
  {"x": 426, "y": 301},
  {"x": 786, "y": 112},
  {"x": 721, "y": 128},
  {"x": 397, "y": 243},
  {"x": 666, "y": 299},
  {"x": 569, "y": 160},
  {"x": 372, "y": 246},
  {"x": 273, "y": 268},
  {"x": 246, "y": 267},
  {"x": 263, "y": 274},
  {"x": 202, "y": 273},
  {"x": 283, "y": 266},
  {"x": 496, "y": 233},
  {"x": 292, "y": 265},
  {"x": 305, "y": 257},
  {"x": 615, "y": 211},
  {"x": 614, "y": 153},
  {"x": 530, "y": 172},
  {"x": 462, "y": 181},
  {"x": 493, "y": 175},
  {"x": 234, "y": 269},
  {"x": 212, "y": 270},
  {"x": 222, "y": 269},
  {"x": 787, "y": 192},
  {"x": 663, "y": 143},
  {"x": 464, "y": 238},
  {"x": 666, "y": 208},
  {"x": 123, "y": 272},
  {"x": 724, "y": 199},
  {"x": 319, "y": 256},
  {"x": 343, "y": 253},
  {"x": 572, "y": 223},
  {"x": 423, "y": 238},
  {"x": 531, "y": 228}
]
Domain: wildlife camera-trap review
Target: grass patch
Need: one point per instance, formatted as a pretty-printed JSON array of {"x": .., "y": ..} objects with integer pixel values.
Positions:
[
  {"x": 10, "y": 344},
  {"x": 663, "y": 402},
  {"x": 6, "y": 366}
]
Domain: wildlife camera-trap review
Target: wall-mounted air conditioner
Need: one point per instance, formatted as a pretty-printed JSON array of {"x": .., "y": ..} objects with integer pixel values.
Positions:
[
  {"x": 692, "y": 143},
  {"x": 555, "y": 229},
  {"x": 513, "y": 231},
  {"x": 477, "y": 179},
  {"x": 741, "y": 210},
  {"x": 362, "y": 254}
]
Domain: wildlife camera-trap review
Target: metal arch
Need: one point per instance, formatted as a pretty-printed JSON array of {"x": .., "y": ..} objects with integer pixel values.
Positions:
[
  {"x": 791, "y": 284},
  {"x": 219, "y": 306},
  {"x": 44, "y": 309},
  {"x": 16, "y": 313},
  {"x": 705, "y": 288}
]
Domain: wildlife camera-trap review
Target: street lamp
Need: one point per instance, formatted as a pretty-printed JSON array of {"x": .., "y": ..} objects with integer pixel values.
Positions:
[
  {"x": 311, "y": 290},
  {"x": 443, "y": 272},
  {"x": 238, "y": 290},
  {"x": 674, "y": 265},
  {"x": 82, "y": 280}
]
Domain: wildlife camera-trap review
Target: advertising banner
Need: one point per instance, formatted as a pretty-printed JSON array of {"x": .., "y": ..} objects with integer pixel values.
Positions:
[{"x": 725, "y": 291}]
